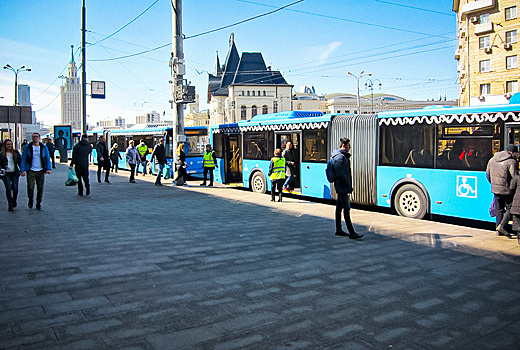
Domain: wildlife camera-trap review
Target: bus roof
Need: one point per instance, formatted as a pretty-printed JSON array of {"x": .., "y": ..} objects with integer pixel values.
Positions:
[
  {"x": 445, "y": 110},
  {"x": 140, "y": 130},
  {"x": 289, "y": 117}
]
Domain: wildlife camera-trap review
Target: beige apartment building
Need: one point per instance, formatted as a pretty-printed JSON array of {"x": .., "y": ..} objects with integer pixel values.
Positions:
[{"x": 487, "y": 51}]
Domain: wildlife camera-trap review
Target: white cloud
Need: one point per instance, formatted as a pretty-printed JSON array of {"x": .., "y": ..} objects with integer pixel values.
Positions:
[{"x": 327, "y": 50}]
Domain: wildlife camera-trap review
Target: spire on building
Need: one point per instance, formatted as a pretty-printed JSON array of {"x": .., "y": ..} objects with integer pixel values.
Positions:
[
  {"x": 71, "y": 53},
  {"x": 218, "y": 69}
]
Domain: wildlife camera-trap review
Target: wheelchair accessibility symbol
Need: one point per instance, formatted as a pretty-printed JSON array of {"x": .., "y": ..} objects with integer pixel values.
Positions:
[{"x": 466, "y": 186}]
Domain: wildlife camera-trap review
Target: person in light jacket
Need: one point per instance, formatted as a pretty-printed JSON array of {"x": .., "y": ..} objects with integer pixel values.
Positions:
[{"x": 133, "y": 158}]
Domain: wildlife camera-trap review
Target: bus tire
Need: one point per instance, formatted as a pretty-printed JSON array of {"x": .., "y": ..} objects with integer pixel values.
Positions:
[
  {"x": 258, "y": 183},
  {"x": 410, "y": 202}
]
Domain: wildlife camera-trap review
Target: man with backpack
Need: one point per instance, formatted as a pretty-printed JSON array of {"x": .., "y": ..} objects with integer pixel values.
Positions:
[{"x": 338, "y": 171}]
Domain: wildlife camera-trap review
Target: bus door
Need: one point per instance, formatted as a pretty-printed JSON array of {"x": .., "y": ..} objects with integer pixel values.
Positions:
[
  {"x": 281, "y": 139},
  {"x": 232, "y": 158}
]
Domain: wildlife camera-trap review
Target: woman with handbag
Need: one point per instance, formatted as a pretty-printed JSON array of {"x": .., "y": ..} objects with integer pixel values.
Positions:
[
  {"x": 181, "y": 165},
  {"x": 10, "y": 161}
]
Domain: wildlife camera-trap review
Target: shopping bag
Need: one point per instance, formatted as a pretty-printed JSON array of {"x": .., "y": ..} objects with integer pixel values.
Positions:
[
  {"x": 72, "y": 179},
  {"x": 493, "y": 208},
  {"x": 167, "y": 172}
]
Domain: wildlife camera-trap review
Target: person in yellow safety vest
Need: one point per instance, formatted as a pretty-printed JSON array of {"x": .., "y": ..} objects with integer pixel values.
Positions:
[
  {"x": 143, "y": 151},
  {"x": 210, "y": 163},
  {"x": 277, "y": 174}
]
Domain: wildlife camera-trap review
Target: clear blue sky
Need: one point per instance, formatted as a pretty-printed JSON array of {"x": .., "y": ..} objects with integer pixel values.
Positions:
[{"x": 409, "y": 46}]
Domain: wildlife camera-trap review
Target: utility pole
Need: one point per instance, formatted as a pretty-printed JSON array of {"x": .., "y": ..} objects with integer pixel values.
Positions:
[
  {"x": 178, "y": 71},
  {"x": 83, "y": 71}
]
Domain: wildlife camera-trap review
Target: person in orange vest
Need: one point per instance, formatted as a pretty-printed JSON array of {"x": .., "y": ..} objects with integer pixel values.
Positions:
[{"x": 277, "y": 174}]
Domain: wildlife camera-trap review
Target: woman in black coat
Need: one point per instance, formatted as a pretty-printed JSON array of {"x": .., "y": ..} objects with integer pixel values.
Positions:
[
  {"x": 10, "y": 161},
  {"x": 181, "y": 165}
]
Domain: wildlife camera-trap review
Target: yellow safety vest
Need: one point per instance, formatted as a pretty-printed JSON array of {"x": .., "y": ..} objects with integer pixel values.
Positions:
[
  {"x": 278, "y": 171},
  {"x": 142, "y": 149},
  {"x": 208, "y": 159}
]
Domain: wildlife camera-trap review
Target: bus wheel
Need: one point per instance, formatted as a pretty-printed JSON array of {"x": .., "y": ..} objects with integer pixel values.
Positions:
[
  {"x": 258, "y": 183},
  {"x": 410, "y": 202}
]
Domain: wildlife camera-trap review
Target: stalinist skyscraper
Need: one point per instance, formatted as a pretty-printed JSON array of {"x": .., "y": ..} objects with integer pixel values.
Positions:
[{"x": 71, "y": 97}]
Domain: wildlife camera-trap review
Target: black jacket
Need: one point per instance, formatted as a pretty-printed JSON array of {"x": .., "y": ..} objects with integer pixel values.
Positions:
[
  {"x": 159, "y": 152},
  {"x": 501, "y": 169},
  {"x": 17, "y": 160},
  {"x": 290, "y": 160},
  {"x": 341, "y": 163},
  {"x": 102, "y": 151},
  {"x": 80, "y": 154}
]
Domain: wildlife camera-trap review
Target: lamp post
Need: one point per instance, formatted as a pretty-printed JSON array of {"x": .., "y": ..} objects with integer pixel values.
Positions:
[
  {"x": 369, "y": 84},
  {"x": 357, "y": 78},
  {"x": 15, "y": 71}
]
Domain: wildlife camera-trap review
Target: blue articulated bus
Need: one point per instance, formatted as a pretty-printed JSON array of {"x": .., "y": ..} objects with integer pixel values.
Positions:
[{"x": 417, "y": 162}]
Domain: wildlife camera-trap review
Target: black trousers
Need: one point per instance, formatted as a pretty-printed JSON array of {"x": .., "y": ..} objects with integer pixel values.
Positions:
[
  {"x": 205, "y": 175},
  {"x": 343, "y": 204},
  {"x": 37, "y": 177},
  {"x": 277, "y": 185},
  {"x": 82, "y": 174},
  {"x": 503, "y": 203},
  {"x": 181, "y": 172},
  {"x": 102, "y": 166},
  {"x": 132, "y": 171}
]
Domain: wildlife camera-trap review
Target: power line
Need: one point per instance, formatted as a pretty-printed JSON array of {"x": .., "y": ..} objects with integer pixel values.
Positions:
[
  {"x": 54, "y": 99},
  {"x": 200, "y": 34},
  {"x": 243, "y": 21},
  {"x": 415, "y": 8},
  {"x": 347, "y": 20},
  {"x": 126, "y": 25}
]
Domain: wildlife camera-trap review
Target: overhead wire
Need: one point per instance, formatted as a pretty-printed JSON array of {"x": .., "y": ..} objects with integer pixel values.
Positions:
[
  {"x": 126, "y": 25},
  {"x": 416, "y": 8}
]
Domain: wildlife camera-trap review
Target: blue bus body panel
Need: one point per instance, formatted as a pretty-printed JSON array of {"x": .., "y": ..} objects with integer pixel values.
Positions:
[
  {"x": 250, "y": 165},
  {"x": 194, "y": 165},
  {"x": 314, "y": 180},
  {"x": 458, "y": 193}
]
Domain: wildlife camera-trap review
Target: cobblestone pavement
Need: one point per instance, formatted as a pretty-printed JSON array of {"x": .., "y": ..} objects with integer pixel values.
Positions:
[{"x": 135, "y": 266}]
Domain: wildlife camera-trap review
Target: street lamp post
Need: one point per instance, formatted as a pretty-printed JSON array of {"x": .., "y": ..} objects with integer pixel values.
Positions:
[
  {"x": 357, "y": 78},
  {"x": 15, "y": 71},
  {"x": 369, "y": 84}
]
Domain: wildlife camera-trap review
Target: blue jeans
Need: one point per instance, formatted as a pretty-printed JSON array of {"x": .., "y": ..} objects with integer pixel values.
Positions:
[
  {"x": 288, "y": 182},
  {"x": 143, "y": 163},
  {"x": 11, "y": 186},
  {"x": 160, "y": 168}
]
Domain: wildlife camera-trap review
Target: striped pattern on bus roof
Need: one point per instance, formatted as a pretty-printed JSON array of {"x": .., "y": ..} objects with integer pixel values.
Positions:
[{"x": 448, "y": 119}]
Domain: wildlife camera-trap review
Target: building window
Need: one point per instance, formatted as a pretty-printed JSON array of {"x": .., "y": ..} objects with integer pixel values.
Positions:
[
  {"x": 512, "y": 86},
  {"x": 243, "y": 112},
  {"x": 253, "y": 110},
  {"x": 511, "y": 37},
  {"x": 299, "y": 106},
  {"x": 484, "y": 18},
  {"x": 264, "y": 109},
  {"x": 510, "y": 13},
  {"x": 485, "y": 66},
  {"x": 483, "y": 42},
  {"x": 247, "y": 92},
  {"x": 258, "y": 92},
  {"x": 253, "y": 92},
  {"x": 275, "y": 106},
  {"x": 485, "y": 89},
  {"x": 242, "y": 92},
  {"x": 264, "y": 92},
  {"x": 511, "y": 62}
]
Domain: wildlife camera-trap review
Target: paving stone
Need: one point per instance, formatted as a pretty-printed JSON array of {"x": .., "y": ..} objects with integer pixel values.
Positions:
[{"x": 177, "y": 281}]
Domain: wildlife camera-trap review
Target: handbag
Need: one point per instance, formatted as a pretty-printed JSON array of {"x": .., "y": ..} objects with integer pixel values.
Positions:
[
  {"x": 72, "y": 179},
  {"x": 493, "y": 208},
  {"x": 166, "y": 172}
]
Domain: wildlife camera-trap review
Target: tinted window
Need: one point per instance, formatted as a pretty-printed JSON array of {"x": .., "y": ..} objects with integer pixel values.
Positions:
[
  {"x": 255, "y": 145},
  {"x": 407, "y": 145},
  {"x": 314, "y": 146}
]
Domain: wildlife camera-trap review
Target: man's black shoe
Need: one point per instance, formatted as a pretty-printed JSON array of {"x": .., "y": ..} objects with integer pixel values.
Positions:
[
  {"x": 107, "y": 181},
  {"x": 501, "y": 231},
  {"x": 354, "y": 236},
  {"x": 158, "y": 184},
  {"x": 30, "y": 204},
  {"x": 38, "y": 206},
  {"x": 202, "y": 184},
  {"x": 14, "y": 203},
  {"x": 341, "y": 233},
  {"x": 10, "y": 206},
  {"x": 80, "y": 193}
]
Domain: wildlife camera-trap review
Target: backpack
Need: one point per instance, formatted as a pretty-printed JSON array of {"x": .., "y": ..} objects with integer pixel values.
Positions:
[{"x": 329, "y": 171}]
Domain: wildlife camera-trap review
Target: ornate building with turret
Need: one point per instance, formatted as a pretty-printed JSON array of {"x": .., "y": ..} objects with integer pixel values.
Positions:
[
  {"x": 71, "y": 97},
  {"x": 244, "y": 87}
]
